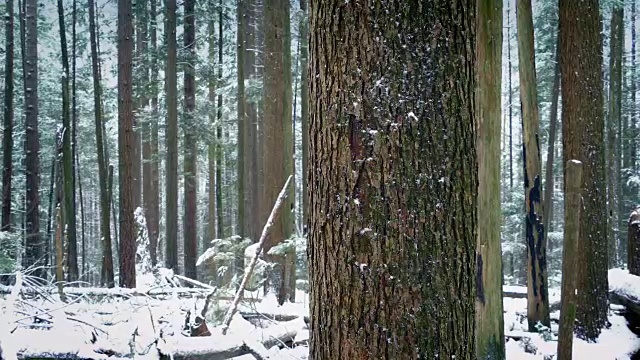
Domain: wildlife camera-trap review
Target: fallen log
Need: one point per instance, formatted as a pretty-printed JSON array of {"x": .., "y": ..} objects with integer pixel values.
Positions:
[
  {"x": 122, "y": 292},
  {"x": 630, "y": 302},
  {"x": 252, "y": 316}
]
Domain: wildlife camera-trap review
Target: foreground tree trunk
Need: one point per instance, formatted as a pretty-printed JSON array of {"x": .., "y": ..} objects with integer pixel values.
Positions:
[
  {"x": 34, "y": 254},
  {"x": 489, "y": 317},
  {"x": 7, "y": 135},
  {"x": 583, "y": 139},
  {"x": 392, "y": 180},
  {"x": 126, "y": 145},
  {"x": 537, "y": 292}
]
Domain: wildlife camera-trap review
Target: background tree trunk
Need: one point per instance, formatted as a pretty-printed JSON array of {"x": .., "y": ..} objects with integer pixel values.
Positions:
[
  {"x": 537, "y": 282},
  {"x": 304, "y": 104},
  {"x": 171, "y": 215},
  {"x": 376, "y": 107},
  {"x": 153, "y": 210},
  {"x": 34, "y": 255},
  {"x": 489, "y": 317},
  {"x": 633, "y": 243},
  {"x": 190, "y": 143},
  {"x": 583, "y": 138},
  {"x": 126, "y": 145},
  {"x": 7, "y": 138}
]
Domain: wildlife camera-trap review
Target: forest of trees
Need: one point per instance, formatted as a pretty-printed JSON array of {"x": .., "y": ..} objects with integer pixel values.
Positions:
[{"x": 428, "y": 141}]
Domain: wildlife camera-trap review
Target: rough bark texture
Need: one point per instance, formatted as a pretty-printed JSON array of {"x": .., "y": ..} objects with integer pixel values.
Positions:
[
  {"x": 7, "y": 134},
  {"x": 242, "y": 167},
  {"x": 34, "y": 254},
  {"x": 277, "y": 138},
  {"x": 392, "y": 116},
  {"x": 105, "y": 228},
  {"x": 190, "y": 143},
  {"x": 219, "y": 150},
  {"x": 69, "y": 207},
  {"x": 614, "y": 114},
  {"x": 633, "y": 243},
  {"x": 489, "y": 318},
  {"x": 126, "y": 144},
  {"x": 537, "y": 282},
  {"x": 569, "y": 253},
  {"x": 153, "y": 212},
  {"x": 211, "y": 148},
  {"x": 171, "y": 214},
  {"x": 583, "y": 139}
]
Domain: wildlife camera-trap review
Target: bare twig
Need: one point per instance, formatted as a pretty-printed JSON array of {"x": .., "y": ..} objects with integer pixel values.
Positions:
[
  {"x": 247, "y": 271},
  {"x": 193, "y": 282}
]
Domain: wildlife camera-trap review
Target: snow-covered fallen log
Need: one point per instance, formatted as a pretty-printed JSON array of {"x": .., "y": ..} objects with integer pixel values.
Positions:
[
  {"x": 624, "y": 289},
  {"x": 91, "y": 292}
]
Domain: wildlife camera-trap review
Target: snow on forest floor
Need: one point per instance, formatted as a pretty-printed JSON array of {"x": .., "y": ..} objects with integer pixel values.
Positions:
[{"x": 110, "y": 323}]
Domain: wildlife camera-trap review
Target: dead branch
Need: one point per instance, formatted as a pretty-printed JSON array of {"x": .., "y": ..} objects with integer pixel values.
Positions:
[{"x": 248, "y": 271}]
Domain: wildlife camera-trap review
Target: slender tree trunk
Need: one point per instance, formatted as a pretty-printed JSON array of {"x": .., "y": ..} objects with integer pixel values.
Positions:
[
  {"x": 537, "y": 282},
  {"x": 569, "y": 253},
  {"x": 34, "y": 255},
  {"x": 126, "y": 146},
  {"x": 190, "y": 143},
  {"x": 213, "y": 142},
  {"x": 615, "y": 104},
  {"x": 75, "y": 167},
  {"x": 82, "y": 219},
  {"x": 509, "y": 67},
  {"x": 7, "y": 139},
  {"x": 105, "y": 224},
  {"x": 583, "y": 139},
  {"x": 404, "y": 302},
  {"x": 171, "y": 215},
  {"x": 242, "y": 121},
  {"x": 52, "y": 177},
  {"x": 152, "y": 195},
  {"x": 489, "y": 318},
  {"x": 630, "y": 188},
  {"x": 548, "y": 173},
  {"x": 69, "y": 207},
  {"x": 144, "y": 19}
]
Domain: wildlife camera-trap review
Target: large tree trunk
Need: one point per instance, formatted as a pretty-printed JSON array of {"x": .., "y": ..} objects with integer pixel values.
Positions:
[
  {"x": 393, "y": 180},
  {"x": 241, "y": 184},
  {"x": 489, "y": 317},
  {"x": 171, "y": 214},
  {"x": 105, "y": 225},
  {"x": 537, "y": 282},
  {"x": 69, "y": 206},
  {"x": 633, "y": 243},
  {"x": 34, "y": 254},
  {"x": 190, "y": 143},
  {"x": 277, "y": 139},
  {"x": 7, "y": 135},
  {"x": 126, "y": 146},
  {"x": 583, "y": 139},
  {"x": 615, "y": 103}
]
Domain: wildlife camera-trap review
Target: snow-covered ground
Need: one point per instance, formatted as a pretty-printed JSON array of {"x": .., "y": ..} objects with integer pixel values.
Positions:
[{"x": 124, "y": 325}]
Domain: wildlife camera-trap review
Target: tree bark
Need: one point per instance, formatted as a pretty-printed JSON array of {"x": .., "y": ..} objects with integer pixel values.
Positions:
[
  {"x": 537, "y": 281},
  {"x": 126, "y": 145},
  {"x": 241, "y": 184},
  {"x": 213, "y": 144},
  {"x": 7, "y": 139},
  {"x": 489, "y": 318},
  {"x": 388, "y": 125},
  {"x": 569, "y": 253},
  {"x": 34, "y": 250},
  {"x": 105, "y": 223},
  {"x": 190, "y": 143},
  {"x": 219, "y": 151},
  {"x": 153, "y": 210},
  {"x": 171, "y": 214},
  {"x": 583, "y": 139},
  {"x": 615, "y": 104}
]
